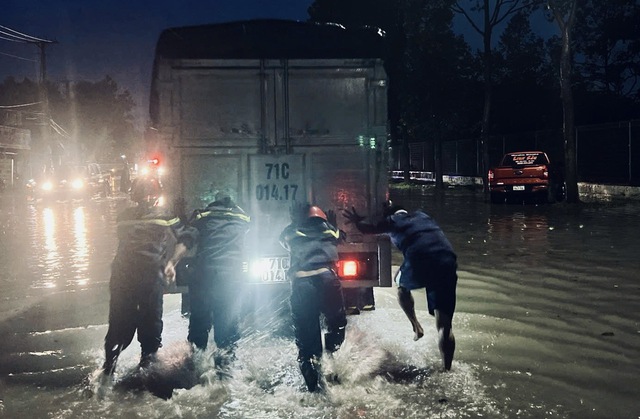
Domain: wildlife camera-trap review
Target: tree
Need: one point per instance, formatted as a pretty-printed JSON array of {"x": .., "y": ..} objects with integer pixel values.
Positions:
[
  {"x": 491, "y": 17},
  {"x": 607, "y": 61},
  {"x": 93, "y": 120},
  {"x": 100, "y": 119},
  {"x": 607, "y": 46},
  {"x": 564, "y": 14},
  {"x": 437, "y": 70},
  {"x": 525, "y": 92}
]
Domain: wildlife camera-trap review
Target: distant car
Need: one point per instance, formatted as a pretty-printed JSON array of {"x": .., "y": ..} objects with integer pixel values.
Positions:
[
  {"x": 526, "y": 174},
  {"x": 72, "y": 182}
]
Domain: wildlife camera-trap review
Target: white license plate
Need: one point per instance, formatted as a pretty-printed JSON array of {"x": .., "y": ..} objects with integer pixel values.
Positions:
[
  {"x": 270, "y": 269},
  {"x": 518, "y": 188}
]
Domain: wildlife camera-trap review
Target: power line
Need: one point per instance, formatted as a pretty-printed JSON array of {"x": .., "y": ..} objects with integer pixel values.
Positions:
[
  {"x": 19, "y": 106},
  {"x": 18, "y": 57},
  {"x": 21, "y": 37}
]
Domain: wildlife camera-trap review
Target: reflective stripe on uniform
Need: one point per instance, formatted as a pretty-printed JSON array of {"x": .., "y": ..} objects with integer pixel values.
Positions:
[
  {"x": 243, "y": 217},
  {"x": 334, "y": 233},
  {"x": 155, "y": 221}
]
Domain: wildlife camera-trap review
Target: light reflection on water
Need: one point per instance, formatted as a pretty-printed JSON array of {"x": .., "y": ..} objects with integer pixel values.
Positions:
[
  {"x": 61, "y": 237},
  {"x": 80, "y": 252},
  {"x": 50, "y": 261}
]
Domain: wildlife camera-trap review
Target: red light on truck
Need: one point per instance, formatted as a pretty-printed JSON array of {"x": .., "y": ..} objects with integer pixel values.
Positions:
[{"x": 348, "y": 268}]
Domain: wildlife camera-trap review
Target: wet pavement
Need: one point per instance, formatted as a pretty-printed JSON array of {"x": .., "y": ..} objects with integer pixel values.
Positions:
[{"x": 547, "y": 325}]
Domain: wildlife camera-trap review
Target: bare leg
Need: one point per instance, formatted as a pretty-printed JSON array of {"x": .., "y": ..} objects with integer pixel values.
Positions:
[
  {"x": 408, "y": 306},
  {"x": 446, "y": 340}
]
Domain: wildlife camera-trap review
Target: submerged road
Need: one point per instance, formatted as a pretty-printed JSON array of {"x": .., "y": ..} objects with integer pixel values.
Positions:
[{"x": 546, "y": 325}]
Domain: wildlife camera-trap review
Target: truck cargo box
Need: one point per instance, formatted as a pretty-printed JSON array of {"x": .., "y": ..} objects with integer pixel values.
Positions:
[{"x": 276, "y": 112}]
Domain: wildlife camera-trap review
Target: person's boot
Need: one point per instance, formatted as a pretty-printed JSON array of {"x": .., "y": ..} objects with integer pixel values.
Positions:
[
  {"x": 309, "y": 370},
  {"x": 147, "y": 358},
  {"x": 111, "y": 357},
  {"x": 109, "y": 366},
  {"x": 333, "y": 339}
]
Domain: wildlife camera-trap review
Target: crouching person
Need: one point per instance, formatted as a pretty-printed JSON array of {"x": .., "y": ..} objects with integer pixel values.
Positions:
[
  {"x": 429, "y": 263},
  {"x": 150, "y": 243},
  {"x": 312, "y": 240}
]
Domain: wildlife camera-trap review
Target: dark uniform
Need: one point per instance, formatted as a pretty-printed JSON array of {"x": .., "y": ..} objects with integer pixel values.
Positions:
[
  {"x": 315, "y": 289},
  {"x": 215, "y": 287},
  {"x": 429, "y": 262},
  {"x": 147, "y": 238}
]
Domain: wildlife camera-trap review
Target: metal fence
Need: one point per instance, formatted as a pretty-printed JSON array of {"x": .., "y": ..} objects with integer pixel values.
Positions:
[{"x": 607, "y": 153}]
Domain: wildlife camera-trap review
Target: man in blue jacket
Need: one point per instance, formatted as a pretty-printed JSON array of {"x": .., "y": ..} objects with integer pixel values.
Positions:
[{"x": 429, "y": 262}]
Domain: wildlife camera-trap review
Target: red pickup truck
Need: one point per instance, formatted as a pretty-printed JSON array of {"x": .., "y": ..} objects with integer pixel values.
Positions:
[{"x": 526, "y": 174}]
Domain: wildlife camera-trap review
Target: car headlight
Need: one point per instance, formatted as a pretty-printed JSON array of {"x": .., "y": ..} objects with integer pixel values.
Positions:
[
  {"x": 47, "y": 186},
  {"x": 77, "y": 184}
]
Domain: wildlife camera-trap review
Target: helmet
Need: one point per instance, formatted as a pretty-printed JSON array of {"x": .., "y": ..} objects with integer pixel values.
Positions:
[
  {"x": 224, "y": 197},
  {"x": 315, "y": 211},
  {"x": 146, "y": 190}
]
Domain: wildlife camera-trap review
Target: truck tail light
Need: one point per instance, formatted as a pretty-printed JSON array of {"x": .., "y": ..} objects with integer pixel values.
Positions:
[
  {"x": 357, "y": 266},
  {"x": 545, "y": 172},
  {"x": 490, "y": 175},
  {"x": 349, "y": 268}
]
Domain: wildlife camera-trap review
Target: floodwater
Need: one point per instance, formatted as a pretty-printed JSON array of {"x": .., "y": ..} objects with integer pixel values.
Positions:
[{"x": 547, "y": 326}]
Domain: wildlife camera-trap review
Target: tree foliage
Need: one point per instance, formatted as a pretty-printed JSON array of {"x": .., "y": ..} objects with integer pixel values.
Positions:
[
  {"x": 526, "y": 97},
  {"x": 92, "y": 121}
]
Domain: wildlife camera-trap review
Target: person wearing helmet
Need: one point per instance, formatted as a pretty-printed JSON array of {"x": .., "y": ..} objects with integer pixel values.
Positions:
[
  {"x": 213, "y": 289},
  {"x": 150, "y": 243},
  {"x": 429, "y": 262},
  {"x": 146, "y": 191},
  {"x": 312, "y": 240}
]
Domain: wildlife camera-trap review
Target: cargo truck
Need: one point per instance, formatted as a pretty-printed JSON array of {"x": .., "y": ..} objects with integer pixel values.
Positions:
[{"x": 276, "y": 112}]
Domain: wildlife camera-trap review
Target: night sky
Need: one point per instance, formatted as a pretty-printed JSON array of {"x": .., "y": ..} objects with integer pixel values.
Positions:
[{"x": 116, "y": 38}]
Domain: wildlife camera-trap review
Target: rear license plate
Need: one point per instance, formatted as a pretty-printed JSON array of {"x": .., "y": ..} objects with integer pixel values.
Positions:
[
  {"x": 518, "y": 188},
  {"x": 271, "y": 269}
]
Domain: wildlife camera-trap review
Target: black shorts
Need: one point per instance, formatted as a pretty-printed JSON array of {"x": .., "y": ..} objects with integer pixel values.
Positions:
[{"x": 437, "y": 274}]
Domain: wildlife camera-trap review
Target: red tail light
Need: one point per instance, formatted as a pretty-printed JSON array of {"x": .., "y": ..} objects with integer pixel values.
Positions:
[
  {"x": 490, "y": 175},
  {"x": 545, "y": 173},
  {"x": 348, "y": 268}
]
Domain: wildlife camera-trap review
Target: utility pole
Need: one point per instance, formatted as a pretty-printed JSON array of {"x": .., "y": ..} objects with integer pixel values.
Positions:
[
  {"x": 12, "y": 35},
  {"x": 44, "y": 99}
]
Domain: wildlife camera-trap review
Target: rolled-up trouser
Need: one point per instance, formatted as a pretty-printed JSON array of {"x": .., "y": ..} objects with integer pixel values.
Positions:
[
  {"x": 135, "y": 305},
  {"x": 310, "y": 297},
  {"x": 215, "y": 298}
]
